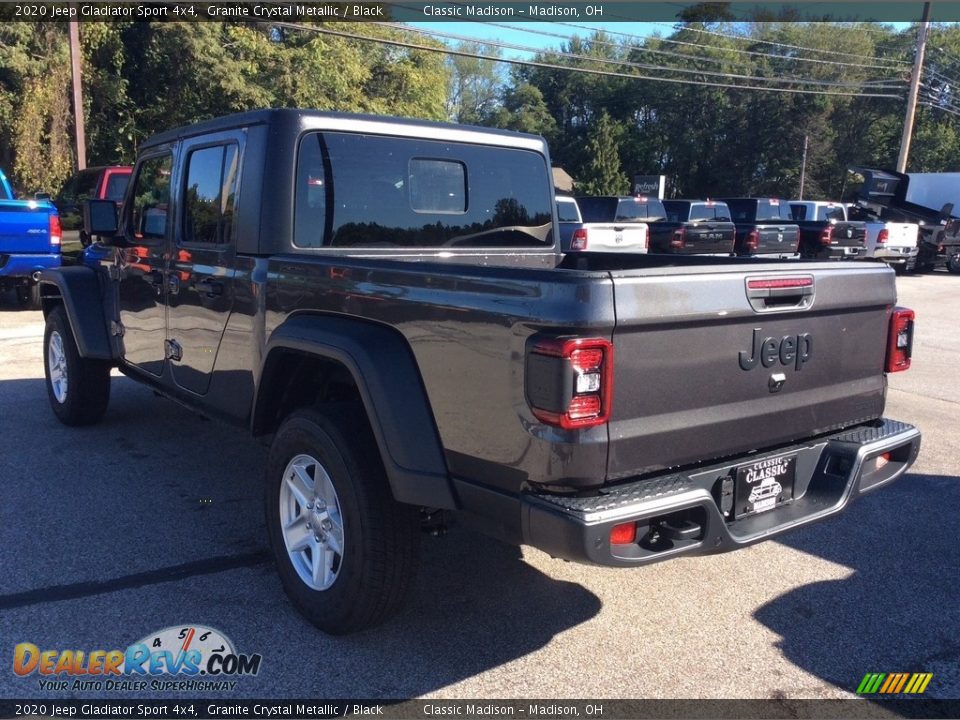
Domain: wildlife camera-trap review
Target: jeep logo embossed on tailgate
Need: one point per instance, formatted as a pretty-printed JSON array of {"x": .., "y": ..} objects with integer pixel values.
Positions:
[{"x": 793, "y": 350}]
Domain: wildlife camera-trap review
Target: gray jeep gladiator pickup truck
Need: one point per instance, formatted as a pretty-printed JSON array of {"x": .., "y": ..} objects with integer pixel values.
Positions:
[{"x": 385, "y": 302}]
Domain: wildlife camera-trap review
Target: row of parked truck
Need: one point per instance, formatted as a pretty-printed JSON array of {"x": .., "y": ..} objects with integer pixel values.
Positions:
[
  {"x": 753, "y": 227},
  {"x": 896, "y": 220}
]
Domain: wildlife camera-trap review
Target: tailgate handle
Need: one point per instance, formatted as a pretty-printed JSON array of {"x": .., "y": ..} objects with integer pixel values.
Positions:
[{"x": 780, "y": 293}]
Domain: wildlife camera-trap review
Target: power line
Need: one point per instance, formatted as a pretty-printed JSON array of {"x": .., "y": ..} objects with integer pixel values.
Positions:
[
  {"x": 946, "y": 109},
  {"x": 552, "y": 66},
  {"x": 643, "y": 46},
  {"x": 786, "y": 45},
  {"x": 641, "y": 66},
  {"x": 606, "y": 43},
  {"x": 754, "y": 53}
]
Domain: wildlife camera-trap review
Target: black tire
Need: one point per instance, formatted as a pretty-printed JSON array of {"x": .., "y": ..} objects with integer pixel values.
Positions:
[
  {"x": 86, "y": 394},
  {"x": 900, "y": 269},
  {"x": 380, "y": 537},
  {"x": 953, "y": 264},
  {"x": 28, "y": 296}
]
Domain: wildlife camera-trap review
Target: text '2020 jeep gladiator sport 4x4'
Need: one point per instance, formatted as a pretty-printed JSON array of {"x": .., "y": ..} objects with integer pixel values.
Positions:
[{"x": 385, "y": 301}]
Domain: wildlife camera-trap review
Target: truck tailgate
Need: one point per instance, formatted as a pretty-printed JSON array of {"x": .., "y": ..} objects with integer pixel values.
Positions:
[
  {"x": 24, "y": 229},
  {"x": 780, "y": 238},
  {"x": 703, "y": 371},
  {"x": 848, "y": 234},
  {"x": 901, "y": 234},
  {"x": 709, "y": 237},
  {"x": 617, "y": 237}
]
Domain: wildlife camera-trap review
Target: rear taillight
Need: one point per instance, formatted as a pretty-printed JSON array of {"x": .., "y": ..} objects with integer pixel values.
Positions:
[
  {"x": 753, "y": 240},
  {"x": 679, "y": 238},
  {"x": 883, "y": 236},
  {"x": 900, "y": 340},
  {"x": 579, "y": 239},
  {"x": 569, "y": 382},
  {"x": 826, "y": 235},
  {"x": 55, "y": 232}
]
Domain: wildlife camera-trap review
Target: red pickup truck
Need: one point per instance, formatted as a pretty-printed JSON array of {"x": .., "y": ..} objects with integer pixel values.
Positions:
[{"x": 96, "y": 183}]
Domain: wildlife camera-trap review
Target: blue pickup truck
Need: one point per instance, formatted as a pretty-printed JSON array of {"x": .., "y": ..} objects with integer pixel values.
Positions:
[{"x": 29, "y": 242}]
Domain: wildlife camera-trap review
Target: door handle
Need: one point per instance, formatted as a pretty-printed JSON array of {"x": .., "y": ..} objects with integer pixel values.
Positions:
[{"x": 211, "y": 288}]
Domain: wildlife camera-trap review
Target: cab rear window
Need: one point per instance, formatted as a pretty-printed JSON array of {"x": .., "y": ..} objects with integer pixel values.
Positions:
[
  {"x": 710, "y": 211},
  {"x": 773, "y": 210},
  {"x": 370, "y": 191}
]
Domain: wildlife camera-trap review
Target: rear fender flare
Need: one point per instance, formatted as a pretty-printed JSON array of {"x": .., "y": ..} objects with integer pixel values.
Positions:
[{"x": 389, "y": 383}]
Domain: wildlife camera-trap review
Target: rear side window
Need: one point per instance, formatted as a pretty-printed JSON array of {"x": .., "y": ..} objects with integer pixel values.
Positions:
[
  {"x": 209, "y": 195},
  {"x": 151, "y": 198},
  {"x": 116, "y": 186},
  {"x": 372, "y": 191},
  {"x": 567, "y": 211}
]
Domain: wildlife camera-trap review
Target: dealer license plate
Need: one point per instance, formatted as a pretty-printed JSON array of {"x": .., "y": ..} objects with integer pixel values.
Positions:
[{"x": 764, "y": 484}]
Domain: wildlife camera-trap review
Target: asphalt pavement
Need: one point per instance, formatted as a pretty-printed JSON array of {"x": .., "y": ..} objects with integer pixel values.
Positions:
[{"x": 153, "y": 518}]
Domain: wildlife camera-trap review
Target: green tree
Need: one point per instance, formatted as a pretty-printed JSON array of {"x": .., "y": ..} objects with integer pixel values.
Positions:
[
  {"x": 522, "y": 108},
  {"x": 475, "y": 83},
  {"x": 603, "y": 174},
  {"x": 36, "y": 128}
]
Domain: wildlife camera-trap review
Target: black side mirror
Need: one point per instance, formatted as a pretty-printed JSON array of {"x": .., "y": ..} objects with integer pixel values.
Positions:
[
  {"x": 41, "y": 196},
  {"x": 100, "y": 218}
]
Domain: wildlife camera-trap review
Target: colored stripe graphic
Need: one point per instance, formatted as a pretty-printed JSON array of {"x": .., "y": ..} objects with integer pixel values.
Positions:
[{"x": 894, "y": 683}]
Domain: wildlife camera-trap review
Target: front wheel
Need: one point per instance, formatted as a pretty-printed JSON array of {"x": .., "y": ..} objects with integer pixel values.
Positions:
[
  {"x": 346, "y": 551},
  {"x": 953, "y": 264},
  {"x": 78, "y": 388}
]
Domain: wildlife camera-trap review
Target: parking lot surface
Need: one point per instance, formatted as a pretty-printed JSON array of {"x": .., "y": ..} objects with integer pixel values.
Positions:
[{"x": 154, "y": 518}]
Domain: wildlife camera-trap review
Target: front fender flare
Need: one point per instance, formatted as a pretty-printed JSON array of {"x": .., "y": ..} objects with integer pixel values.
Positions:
[
  {"x": 78, "y": 289},
  {"x": 388, "y": 379}
]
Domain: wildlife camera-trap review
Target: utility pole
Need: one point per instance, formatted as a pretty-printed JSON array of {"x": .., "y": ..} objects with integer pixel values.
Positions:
[
  {"x": 803, "y": 165},
  {"x": 77, "y": 95},
  {"x": 914, "y": 89}
]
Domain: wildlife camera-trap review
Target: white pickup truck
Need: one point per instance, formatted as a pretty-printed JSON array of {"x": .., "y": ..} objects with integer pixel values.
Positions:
[
  {"x": 895, "y": 243},
  {"x": 578, "y": 236}
]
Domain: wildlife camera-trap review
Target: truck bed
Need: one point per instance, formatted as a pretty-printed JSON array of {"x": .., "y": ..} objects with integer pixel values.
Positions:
[{"x": 679, "y": 328}]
